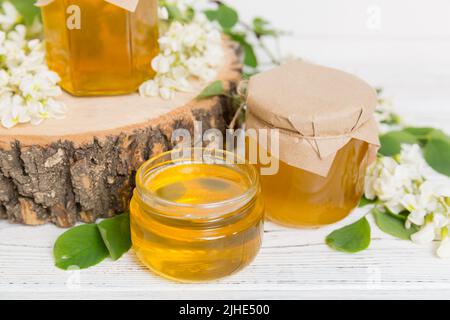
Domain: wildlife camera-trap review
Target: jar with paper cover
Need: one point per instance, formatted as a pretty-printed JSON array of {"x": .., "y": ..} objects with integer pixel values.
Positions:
[
  {"x": 101, "y": 47},
  {"x": 327, "y": 138}
]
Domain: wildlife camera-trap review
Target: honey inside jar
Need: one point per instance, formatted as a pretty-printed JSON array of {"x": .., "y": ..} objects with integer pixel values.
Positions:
[
  {"x": 298, "y": 198},
  {"x": 98, "y": 48},
  {"x": 193, "y": 221}
]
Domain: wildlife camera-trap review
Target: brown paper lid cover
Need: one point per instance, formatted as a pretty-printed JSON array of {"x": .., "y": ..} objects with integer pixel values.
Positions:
[{"x": 317, "y": 109}]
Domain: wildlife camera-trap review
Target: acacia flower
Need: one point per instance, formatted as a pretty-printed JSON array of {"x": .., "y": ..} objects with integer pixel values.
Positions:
[
  {"x": 407, "y": 184},
  {"x": 426, "y": 235},
  {"x": 27, "y": 86},
  {"x": 9, "y": 16},
  {"x": 444, "y": 248},
  {"x": 189, "y": 51}
]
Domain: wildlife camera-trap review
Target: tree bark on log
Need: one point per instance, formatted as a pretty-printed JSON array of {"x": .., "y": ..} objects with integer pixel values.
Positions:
[{"x": 70, "y": 179}]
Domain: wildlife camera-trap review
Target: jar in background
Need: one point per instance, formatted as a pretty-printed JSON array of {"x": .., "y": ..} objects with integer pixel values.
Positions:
[
  {"x": 194, "y": 220},
  {"x": 328, "y": 136},
  {"x": 98, "y": 47}
]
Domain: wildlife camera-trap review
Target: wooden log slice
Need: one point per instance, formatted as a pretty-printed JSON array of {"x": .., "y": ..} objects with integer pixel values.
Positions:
[{"x": 82, "y": 168}]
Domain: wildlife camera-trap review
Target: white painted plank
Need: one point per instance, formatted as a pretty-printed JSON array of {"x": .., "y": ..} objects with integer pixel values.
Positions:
[{"x": 292, "y": 264}]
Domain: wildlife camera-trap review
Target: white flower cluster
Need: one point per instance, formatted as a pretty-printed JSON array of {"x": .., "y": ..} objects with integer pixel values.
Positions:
[
  {"x": 406, "y": 183},
  {"x": 9, "y": 17},
  {"x": 27, "y": 86},
  {"x": 187, "y": 52}
]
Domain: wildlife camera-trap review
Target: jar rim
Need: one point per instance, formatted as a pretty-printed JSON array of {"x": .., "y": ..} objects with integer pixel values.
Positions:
[{"x": 239, "y": 201}]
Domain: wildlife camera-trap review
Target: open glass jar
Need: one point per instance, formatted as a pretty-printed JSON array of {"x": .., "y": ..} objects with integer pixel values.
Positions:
[
  {"x": 196, "y": 219},
  {"x": 327, "y": 138},
  {"x": 101, "y": 47}
]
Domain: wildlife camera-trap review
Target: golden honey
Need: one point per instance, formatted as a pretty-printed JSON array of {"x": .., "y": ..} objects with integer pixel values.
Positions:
[
  {"x": 98, "y": 48},
  {"x": 298, "y": 198},
  {"x": 193, "y": 221}
]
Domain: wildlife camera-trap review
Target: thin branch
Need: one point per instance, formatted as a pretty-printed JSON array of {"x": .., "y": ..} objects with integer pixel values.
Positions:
[{"x": 236, "y": 117}]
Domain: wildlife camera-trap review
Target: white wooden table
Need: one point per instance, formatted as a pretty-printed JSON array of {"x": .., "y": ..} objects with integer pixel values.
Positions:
[{"x": 293, "y": 264}]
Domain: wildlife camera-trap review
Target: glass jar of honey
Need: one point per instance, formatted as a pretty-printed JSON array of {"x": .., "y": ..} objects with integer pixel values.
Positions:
[
  {"x": 101, "y": 47},
  {"x": 327, "y": 138},
  {"x": 196, "y": 219}
]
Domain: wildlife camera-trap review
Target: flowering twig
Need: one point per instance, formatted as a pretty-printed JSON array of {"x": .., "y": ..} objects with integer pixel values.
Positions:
[
  {"x": 406, "y": 184},
  {"x": 27, "y": 86},
  {"x": 191, "y": 49}
]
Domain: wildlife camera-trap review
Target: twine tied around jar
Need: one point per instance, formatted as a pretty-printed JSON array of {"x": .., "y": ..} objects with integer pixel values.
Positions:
[
  {"x": 242, "y": 91},
  {"x": 314, "y": 136},
  {"x": 317, "y": 111}
]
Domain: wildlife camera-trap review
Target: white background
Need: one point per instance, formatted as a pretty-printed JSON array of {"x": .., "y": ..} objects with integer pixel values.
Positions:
[
  {"x": 401, "y": 45},
  {"x": 325, "y": 30},
  {"x": 408, "y": 54}
]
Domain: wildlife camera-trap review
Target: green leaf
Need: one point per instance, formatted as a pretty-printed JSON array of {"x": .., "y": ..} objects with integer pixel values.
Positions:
[
  {"x": 81, "y": 246},
  {"x": 225, "y": 15},
  {"x": 401, "y": 216},
  {"x": 27, "y": 9},
  {"x": 261, "y": 28},
  {"x": 250, "y": 58},
  {"x": 392, "y": 120},
  {"x": 393, "y": 224},
  {"x": 351, "y": 239},
  {"x": 391, "y": 142},
  {"x": 365, "y": 202},
  {"x": 211, "y": 14},
  {"x": 421, "y": 133},
  {"x": 189, "y": 15},
  {"x": 437, "y": 152},
  {"x": 174, "y": 13},
  {"x": 116, "y": 235},
  {"x": 214, "y": 89}
]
